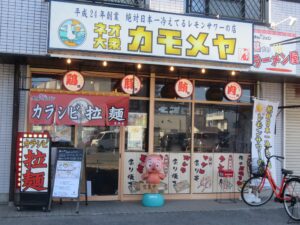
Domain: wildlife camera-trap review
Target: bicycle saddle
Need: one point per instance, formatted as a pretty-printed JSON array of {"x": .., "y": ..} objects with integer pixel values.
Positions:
[{"x": 286, "y": 172}]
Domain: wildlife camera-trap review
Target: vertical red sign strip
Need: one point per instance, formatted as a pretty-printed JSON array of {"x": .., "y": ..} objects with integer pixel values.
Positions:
[{"x": 33, "y": 159}]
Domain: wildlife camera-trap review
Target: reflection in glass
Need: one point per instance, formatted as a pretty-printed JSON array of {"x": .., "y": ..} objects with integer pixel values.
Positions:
[
  {"x": 172, "y": 126},
  {"x": 165, "y": 88},
  {"x": 102, "y": 158},
  {"x": 222, "y": 128},
  {"x": 98, "y": 84},
  {"x": 46, "y": 82},
  {"x": 206, "y": 91},
  {"x": 136, "y": 138}
]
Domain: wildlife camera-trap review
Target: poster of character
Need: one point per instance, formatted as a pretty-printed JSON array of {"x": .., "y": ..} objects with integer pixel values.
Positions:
[
  {"x": 134, "y": 168},
  {"x": 202, "y": 172}
]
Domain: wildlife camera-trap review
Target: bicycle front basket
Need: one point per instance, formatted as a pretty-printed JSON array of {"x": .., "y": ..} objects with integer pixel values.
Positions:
[{"x": 256, "y": 169}]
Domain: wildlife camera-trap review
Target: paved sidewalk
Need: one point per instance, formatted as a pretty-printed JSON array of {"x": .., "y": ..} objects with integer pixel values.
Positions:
[{"x": 132, "y": 207}]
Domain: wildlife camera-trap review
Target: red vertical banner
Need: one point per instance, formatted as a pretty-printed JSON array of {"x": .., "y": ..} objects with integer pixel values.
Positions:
[{"x": 78, "y": 109}]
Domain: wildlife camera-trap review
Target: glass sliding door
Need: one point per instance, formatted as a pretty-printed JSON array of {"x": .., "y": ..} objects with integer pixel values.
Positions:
[{"x": 101, "y": 145}]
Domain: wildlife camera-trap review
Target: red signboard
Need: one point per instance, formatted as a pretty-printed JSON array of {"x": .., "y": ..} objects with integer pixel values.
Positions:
[
  {"x": 33, "y": 157},
  {"x": 78, "y": 109},
  {"x": 226, "y": 173}
]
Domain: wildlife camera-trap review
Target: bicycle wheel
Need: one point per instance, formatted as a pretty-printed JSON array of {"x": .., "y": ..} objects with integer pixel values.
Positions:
[
  {"x": 256, "y": 191},
  {"x": 291, "y": 198}
]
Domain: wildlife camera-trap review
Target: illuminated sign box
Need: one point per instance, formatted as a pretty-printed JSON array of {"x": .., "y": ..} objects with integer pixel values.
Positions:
[{"x": 99, "y": 29}]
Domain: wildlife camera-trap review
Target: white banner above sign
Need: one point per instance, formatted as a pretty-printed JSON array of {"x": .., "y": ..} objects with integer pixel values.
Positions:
[
  {"x": 94, "y": 28},
  {"x": 270, "y": 57}
]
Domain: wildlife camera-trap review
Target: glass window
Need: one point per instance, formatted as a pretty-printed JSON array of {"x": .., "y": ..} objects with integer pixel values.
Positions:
[
  {"x": 172, "y": 126},
  {"x": 61, "y": 135},
  {"x": 165, "y": 88},
  {"x": 136, "y": 138},
  {"x": 209, "y": 91},
  {"x": 222, "y": 128},
  {"x": 99, "y": 84},
  {"x": 254, "y": 10},
  {"x": 46, "y": 82}
]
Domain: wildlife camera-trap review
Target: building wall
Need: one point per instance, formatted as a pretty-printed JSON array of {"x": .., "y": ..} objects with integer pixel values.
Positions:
[
  {"x": 292, "y": 127},
  {"x": 6, "y": 100},
  {"x": 23, "y": 27},
  {"x": 24, "y": 30},
  {"x": 280, "y": 11}
]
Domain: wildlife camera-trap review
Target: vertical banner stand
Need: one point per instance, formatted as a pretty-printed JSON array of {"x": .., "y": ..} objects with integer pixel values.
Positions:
[
  {"x": 69, "y": 167},
  {"x": 33, "y": 170}
]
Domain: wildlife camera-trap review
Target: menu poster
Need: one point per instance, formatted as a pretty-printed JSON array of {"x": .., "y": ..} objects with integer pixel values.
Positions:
[
  {"x": 67, "y": 173},
  {"x": 135, "y": 138}
]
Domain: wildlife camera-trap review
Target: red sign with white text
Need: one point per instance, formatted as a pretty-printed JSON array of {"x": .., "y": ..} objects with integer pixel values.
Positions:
[
  {"x": 33, "y": 162},
  {"x": 78, "y": 109}
]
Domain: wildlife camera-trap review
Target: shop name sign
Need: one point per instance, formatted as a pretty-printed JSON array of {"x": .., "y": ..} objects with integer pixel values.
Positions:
[
  {"x": 93, "y": 28},
  {"x": 272, "y": 57},
  {"x": 78, "y": 109}
]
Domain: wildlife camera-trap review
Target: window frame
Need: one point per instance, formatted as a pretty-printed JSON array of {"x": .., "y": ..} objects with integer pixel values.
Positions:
[{"x": 263, "y": 11}]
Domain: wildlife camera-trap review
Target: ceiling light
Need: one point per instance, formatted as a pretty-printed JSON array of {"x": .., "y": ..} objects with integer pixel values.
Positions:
[
  {"x": 203, "y": 70},
  {"x": 139, "y": 66},
  {"x": 69, "y": 61},
  {"x": 104, "y": 63},
  {"x": 172, "y": 68},
  {"x": 233, "y": 73}
]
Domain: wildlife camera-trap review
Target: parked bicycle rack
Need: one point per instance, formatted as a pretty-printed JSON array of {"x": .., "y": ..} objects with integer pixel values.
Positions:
[{"x": 225, "y": 187}]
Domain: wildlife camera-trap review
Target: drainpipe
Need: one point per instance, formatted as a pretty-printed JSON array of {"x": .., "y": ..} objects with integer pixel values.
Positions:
[
  {"x": 14, "y": 132},
  {"x": 258, "y": 90}
]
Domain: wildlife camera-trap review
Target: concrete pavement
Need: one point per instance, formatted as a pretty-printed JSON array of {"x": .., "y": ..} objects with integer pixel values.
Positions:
[{"x": 173, "y": 212}]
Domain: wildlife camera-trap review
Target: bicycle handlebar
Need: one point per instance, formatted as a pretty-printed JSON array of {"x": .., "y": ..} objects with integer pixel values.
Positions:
[
  {"x": 272, "y": 156},
  {"x": 277, "y": 157}
]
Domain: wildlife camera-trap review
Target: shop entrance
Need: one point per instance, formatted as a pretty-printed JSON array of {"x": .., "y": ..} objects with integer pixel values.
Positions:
[{"x": 102, "y": 147}]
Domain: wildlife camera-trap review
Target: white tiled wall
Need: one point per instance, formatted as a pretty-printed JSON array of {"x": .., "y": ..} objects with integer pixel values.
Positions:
[
  {"x": 6, "y": 107},
  {"x": 24, "y": 26}
]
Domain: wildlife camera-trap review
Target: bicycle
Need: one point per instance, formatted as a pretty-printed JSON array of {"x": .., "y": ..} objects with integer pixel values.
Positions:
[{"x": 260, "y": 187}]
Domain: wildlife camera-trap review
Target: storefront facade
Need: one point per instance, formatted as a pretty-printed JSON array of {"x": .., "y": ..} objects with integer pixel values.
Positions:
[{"x": 197, "y": 135}]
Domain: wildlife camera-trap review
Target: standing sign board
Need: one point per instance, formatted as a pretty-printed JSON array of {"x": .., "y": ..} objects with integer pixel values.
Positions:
[
  {"x": 68, "y": 172},
  {"x": 32, "y": 168}
]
